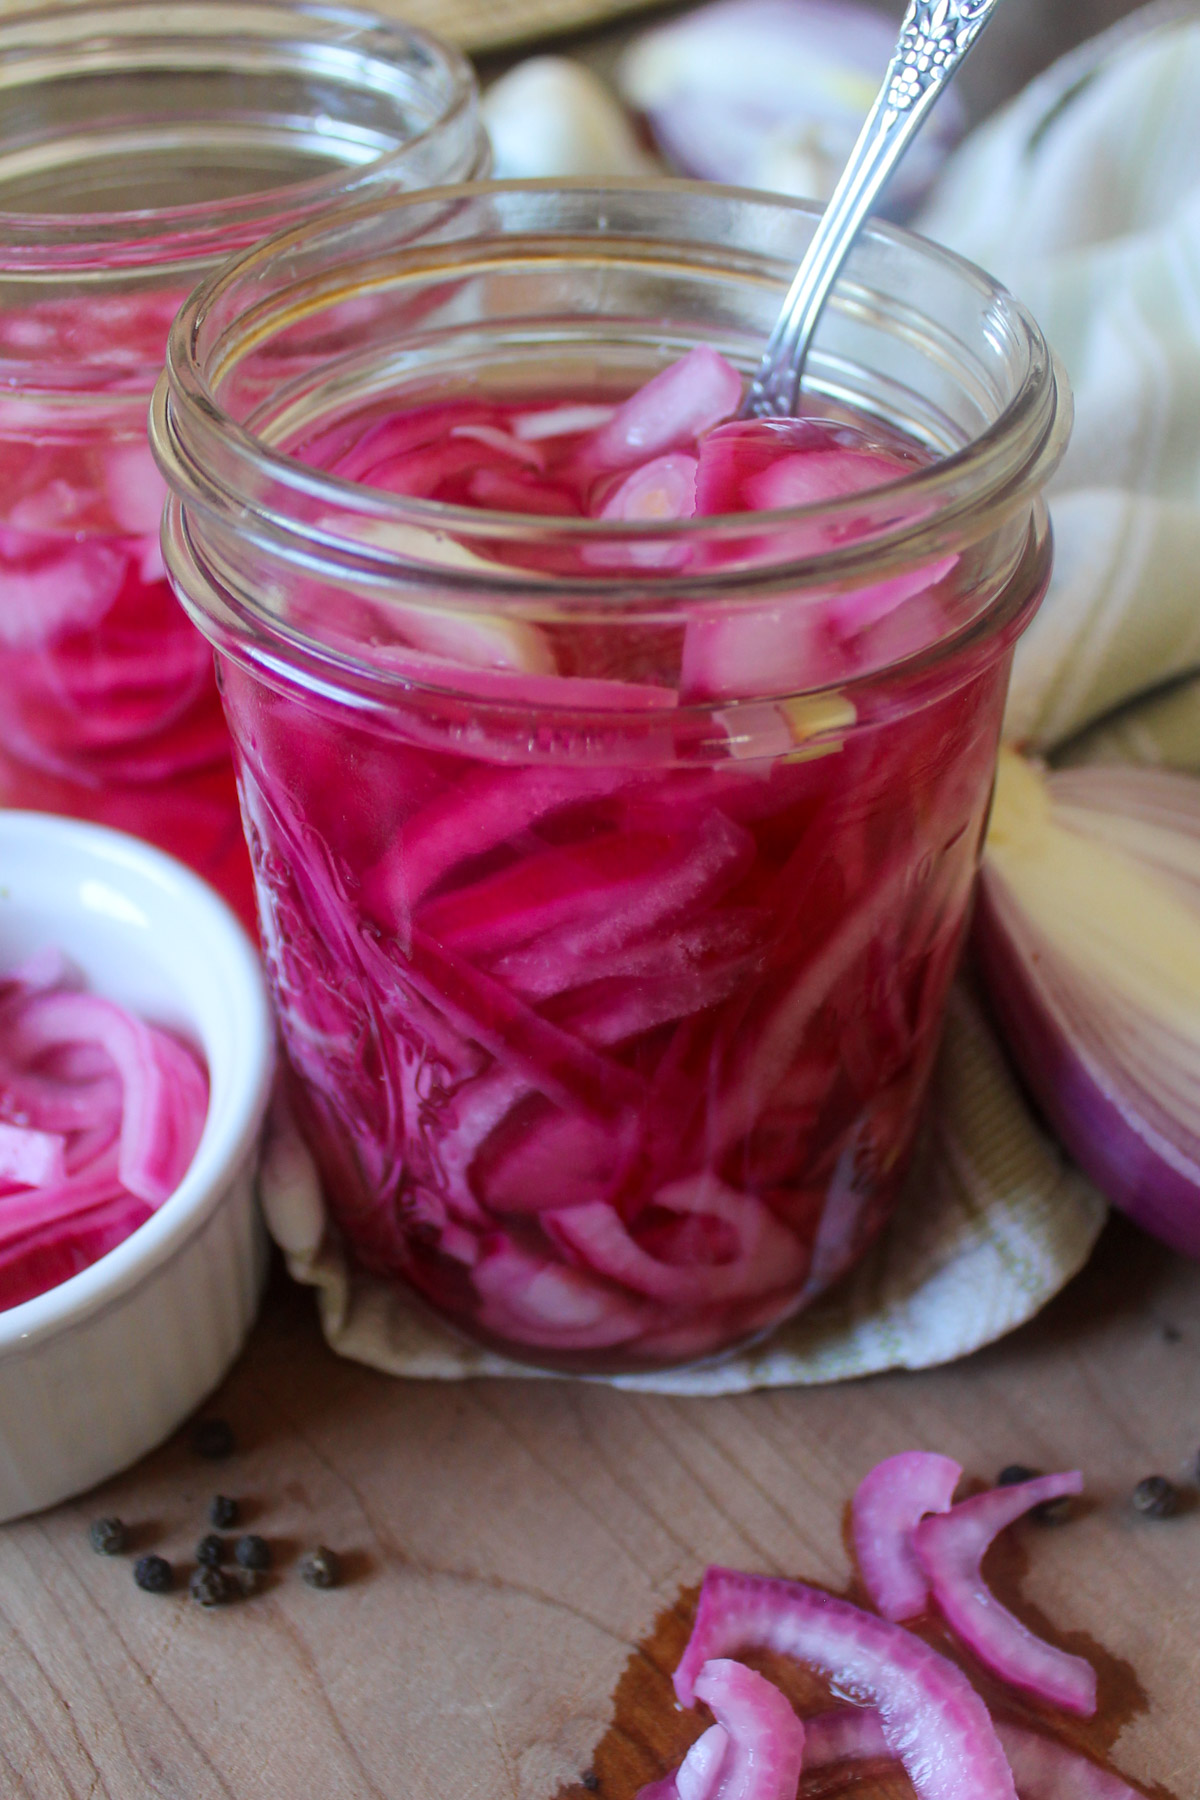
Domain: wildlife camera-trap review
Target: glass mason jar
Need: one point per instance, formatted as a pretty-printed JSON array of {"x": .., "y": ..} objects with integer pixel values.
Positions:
[
  {"x": 610, "y": 990},
  {"x": 139, "y": 145}
]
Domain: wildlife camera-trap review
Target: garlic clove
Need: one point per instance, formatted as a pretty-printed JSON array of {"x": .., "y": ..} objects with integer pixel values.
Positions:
[{"x": 552, "y": 116}]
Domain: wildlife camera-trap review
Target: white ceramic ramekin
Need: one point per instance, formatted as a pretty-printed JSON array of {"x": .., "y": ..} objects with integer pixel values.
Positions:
[{"x": 103, "y": 1367}]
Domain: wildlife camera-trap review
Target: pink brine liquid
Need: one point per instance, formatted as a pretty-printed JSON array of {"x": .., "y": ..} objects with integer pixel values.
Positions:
[
  {"x": 108, "y": 704},
  {"x": 614, "y": 1052}
]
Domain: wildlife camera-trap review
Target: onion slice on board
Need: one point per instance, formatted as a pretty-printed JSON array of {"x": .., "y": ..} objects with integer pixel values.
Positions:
[
  {"x": 950, "y": 1548},
  {"x": 932, "y": 1718},
  {"x": 696, "y": 1774},
  {"x": 753, "y": 1752},
  {"x": 1043, "y": 1769},
  {"x": 890, "y": 1500}
]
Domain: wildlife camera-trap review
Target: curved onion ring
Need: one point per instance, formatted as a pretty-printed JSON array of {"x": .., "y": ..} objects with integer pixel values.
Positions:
[
  {"x": 1042, "y": 1768},
  {"x": 890, "y": 1500},
  {"x": 950, "y": 1548},
  {"x": 932, "y": 1718}
]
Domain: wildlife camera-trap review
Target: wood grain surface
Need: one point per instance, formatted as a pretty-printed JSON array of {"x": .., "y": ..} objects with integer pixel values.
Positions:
[{"x": 508, "y": 1545}]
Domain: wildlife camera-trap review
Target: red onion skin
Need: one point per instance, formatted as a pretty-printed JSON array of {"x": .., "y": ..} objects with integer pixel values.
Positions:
[
  {"x": 932, "y": 1718},
  {"x": 890, "y": 1500},
  {"x": 950, "y": 1548},
  {"x": 1133, "y": 1165}
]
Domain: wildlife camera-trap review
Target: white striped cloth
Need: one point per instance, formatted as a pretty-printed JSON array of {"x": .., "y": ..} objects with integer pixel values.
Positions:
[{"x": 1083, "y": 195}]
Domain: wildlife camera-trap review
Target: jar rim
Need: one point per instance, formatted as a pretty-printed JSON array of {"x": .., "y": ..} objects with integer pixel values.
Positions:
[
  {"x": 43, "y": 43},
  {"x": 192, "y": 432}
]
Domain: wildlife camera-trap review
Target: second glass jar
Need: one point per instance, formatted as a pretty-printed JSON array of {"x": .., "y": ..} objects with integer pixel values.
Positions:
[{"x": 138, "y": 147}]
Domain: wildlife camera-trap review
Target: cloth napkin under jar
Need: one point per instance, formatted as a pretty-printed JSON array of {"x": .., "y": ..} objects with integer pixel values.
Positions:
[{"x": 1083, "y": 195}]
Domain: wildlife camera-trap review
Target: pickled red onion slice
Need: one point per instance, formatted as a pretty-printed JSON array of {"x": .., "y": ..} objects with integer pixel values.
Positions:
[
  {"x": 766, "y": 1255},
  {"x": 890, "y": 1501},
  {"x": 848, "y": 1734},
  {"x": 663, "y": 488},
  {"x": 668, "y": 412},
  {"x": 100, "y": 1115},
  {"x": 477, "y": 814},
  {"x": 163, "y": 1090},
  {"x": 599, "y": 894},
  {"x": 533, "y": 1301},
  {"x": 696, "y": 1775},
  {"x": 758, "y": 1751},
  {"x": 950, "y": 1547},
  {"x": 766, "y": 1740},
  {"x": 1047, "y": 1770},
  {"x": 560, "y": 421},
  {"x": 31, "y": 1158},
  {"x": 1043, "y": 1768},
  {"x": 67, "y": 587},
  {"x": 932, "y": 1718}
]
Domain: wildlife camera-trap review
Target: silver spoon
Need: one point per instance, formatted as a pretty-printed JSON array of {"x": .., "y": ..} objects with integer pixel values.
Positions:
[{"x": 934, "y": 38}]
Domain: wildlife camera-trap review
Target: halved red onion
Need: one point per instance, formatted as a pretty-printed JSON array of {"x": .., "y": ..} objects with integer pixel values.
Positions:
[
  {"x": 890, "y": 1501},
  {"x": 1043, "y": 1768},
  {"x": 950, "y": 1547},
  {"x": 931, "y": 1716},
  {"x": 1088, "y": 937}
]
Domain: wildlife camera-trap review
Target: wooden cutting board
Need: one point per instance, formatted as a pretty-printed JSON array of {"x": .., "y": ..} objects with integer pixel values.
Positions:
[{"x": 509, "y": 1545}]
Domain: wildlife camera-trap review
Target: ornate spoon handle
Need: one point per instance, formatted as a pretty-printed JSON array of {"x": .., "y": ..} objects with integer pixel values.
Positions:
[{"x": 934, "y": 39}]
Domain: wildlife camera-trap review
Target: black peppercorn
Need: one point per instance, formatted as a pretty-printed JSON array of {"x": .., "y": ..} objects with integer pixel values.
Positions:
[
  {"x": 210, "y": 1551},
  {"x": 222, "y": 1512},
  {"x": 213, "y": 1439},
  {"x": 154, "y": 1574},
  {"x": 249, "y": 1580},
  {"x": 209, "y": 1586},
  {"x": 1014, "y": 1474},
  {"x": 320, "y": 1568},
  {"x": 108, "y": 1536},
  {"x": 1156, "y": 1497},
  {"x": 590, "y": 1780},
  {"x": 253, "y": 1552}
]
